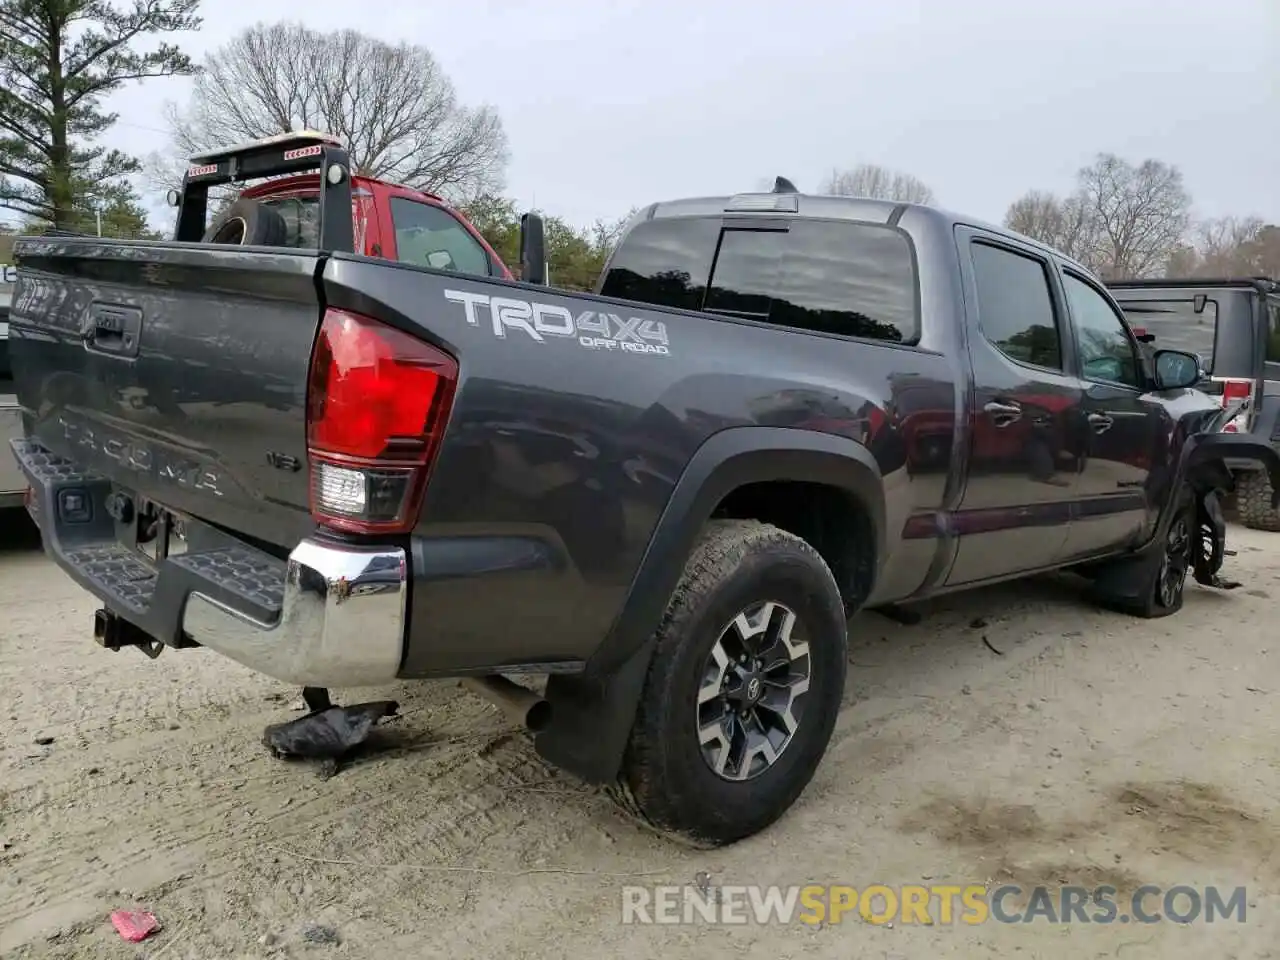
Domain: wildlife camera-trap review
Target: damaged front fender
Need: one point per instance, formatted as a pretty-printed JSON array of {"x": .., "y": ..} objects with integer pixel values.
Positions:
[
  {"x": 1203, "y": 459},
  {"x": 1201, "y": 467}
]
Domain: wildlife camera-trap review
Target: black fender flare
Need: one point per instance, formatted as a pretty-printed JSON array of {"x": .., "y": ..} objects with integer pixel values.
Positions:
[
  {"x": 592, "y": 712},
  {"x": 728, "y": 460}
]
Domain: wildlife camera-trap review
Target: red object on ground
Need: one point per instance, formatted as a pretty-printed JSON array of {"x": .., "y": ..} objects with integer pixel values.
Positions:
[{"x": 134, "y": 925}]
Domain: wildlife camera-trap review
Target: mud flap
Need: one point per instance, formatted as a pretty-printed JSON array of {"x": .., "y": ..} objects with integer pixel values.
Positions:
[{"x": 591, "y": 718}]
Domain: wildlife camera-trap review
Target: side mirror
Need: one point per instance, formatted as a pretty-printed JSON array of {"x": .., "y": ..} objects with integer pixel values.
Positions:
[
  {"x": 533, "y": 250},
  {"x": 1176, "y": 370}
]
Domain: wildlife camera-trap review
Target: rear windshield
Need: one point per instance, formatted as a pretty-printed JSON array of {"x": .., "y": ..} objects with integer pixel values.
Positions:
[
  {"x": 301, "y": 214},
  {"x": 1176, "y": 325},
  {"x": 854, "y": 279}
]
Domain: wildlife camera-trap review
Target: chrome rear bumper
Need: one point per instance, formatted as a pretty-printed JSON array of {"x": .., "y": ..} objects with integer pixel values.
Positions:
[{"x": 341, "y": 624}]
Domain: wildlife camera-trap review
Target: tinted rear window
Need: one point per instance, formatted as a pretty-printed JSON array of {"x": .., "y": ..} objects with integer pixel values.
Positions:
[
  {"x": 664, "y": 262},
  {"x": 1176, "y": 325},
  {"x": 829, "y": 276}
]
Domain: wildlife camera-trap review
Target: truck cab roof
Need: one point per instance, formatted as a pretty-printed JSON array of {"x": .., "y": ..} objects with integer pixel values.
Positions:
[{"x": 830, "y": 207}]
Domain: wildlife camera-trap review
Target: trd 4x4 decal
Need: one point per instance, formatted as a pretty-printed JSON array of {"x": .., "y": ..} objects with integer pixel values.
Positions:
[{"x": 595, "y": 330}]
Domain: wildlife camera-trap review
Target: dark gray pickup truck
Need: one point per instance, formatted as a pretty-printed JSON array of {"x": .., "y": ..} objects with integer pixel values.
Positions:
[{"x": 667, "y": 497}]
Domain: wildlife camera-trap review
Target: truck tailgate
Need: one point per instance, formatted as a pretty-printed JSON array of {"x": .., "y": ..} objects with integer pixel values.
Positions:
[{"x": 175, "y": 370}]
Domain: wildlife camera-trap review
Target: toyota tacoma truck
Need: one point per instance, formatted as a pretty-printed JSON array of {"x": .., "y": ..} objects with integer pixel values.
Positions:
[{"x": 666, "y": 496}]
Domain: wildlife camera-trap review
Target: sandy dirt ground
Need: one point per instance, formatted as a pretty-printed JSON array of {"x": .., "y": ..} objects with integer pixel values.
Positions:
[{"x": 1090, "y": 749}]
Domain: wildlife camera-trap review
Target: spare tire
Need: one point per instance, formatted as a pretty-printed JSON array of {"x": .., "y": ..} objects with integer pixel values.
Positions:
[{"x": 248, "y": 223}]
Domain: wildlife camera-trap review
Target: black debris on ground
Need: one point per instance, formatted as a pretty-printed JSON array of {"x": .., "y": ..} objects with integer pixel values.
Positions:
[
  {"x": 327, "y": 736},
  {"x": 314, "y": 933}
]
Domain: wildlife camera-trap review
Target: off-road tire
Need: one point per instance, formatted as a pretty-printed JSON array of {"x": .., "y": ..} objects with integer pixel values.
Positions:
[
  {"x": 665, "y": 780},
  {"x": 248, "y": 223},
  {"x": 1253, "y": 501}
]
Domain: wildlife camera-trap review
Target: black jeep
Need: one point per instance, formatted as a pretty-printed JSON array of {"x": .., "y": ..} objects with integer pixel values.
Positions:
[{"x": 1234, "y": 325}]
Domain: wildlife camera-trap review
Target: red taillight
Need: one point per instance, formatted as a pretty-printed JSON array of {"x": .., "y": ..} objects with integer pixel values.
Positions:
[
  {"x": 1233, "y": 390},
  {"x": 377, "y": 402}
]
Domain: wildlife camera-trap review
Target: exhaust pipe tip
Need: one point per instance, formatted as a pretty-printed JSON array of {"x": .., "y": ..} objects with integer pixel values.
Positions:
[
  {"x": 538, "y": 717},
  {"x": 520, "y": 704}
]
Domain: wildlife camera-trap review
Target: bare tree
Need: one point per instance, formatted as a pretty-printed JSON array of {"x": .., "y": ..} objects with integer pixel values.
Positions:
[
  {"x": 1036, "y": 214},
  {"x": 392, "y": 105},
  {"x": 1141, "y": 214},
  {"x": 879, "y": 183},
  {"x": 1229, "y": 247},
  {"x": 1224, "y": 245},
  {"x": 1067, "y": 224},
  {"x": 1263, "y": 253},
  {"x": 1121, "y": 221}
]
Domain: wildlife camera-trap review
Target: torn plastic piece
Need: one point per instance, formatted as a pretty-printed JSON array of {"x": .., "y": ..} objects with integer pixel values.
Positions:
[
  {"x": 328, "y": 735},
  {"x": 134, "y": 925},
  {"x": 1212, "y": 544}
]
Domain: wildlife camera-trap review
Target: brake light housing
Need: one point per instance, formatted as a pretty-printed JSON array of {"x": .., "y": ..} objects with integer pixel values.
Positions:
[
  {"x": 1233, "y": 389},
  {"x": 378, "y": 400}
]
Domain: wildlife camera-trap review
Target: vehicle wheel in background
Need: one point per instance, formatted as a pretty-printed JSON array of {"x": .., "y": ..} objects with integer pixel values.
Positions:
[
  {"x": 1253, "y": 501},
  {"x": 743, "y": 690}
]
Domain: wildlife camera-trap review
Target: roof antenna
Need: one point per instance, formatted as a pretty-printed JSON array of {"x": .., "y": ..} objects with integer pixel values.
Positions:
[{"x": 783, "y": 185}]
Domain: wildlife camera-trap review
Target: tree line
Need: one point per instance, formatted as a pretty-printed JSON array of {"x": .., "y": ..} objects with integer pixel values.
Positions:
[
  {"x": 402, "y": 120},
  {"x": 1122, "y": 220}
]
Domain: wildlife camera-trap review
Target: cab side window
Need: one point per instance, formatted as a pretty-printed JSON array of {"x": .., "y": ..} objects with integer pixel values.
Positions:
[
  {"x": 1015, "y": 306},
  {"x": 428, "y": 236},
  {"x": 1105, "y": 349}
]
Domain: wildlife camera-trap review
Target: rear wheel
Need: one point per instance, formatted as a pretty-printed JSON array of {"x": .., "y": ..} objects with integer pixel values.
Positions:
[
  {"x": 1253, "y": 501},
  {"x": 743, "y": 690}
]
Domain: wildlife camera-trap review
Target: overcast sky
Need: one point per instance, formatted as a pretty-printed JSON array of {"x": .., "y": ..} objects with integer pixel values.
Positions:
[{"x": 610, "y": 104}]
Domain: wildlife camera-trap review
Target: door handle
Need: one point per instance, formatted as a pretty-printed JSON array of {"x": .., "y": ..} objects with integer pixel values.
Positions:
[
  {"x": 1100, "y": 422},
  {"x": 1003, "y": 413}
]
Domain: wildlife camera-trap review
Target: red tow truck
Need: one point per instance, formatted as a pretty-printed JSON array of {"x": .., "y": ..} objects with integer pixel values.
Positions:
[{"x": 388, "y": 220}]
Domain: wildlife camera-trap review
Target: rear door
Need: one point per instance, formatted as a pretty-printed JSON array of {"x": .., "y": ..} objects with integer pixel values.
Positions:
[
  {"x": 177, "y": 370},
  {"x": 1026, "y": 445}
]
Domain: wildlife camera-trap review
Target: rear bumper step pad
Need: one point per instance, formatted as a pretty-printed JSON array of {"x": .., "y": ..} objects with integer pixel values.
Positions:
[{"x": 332, "y": 614}]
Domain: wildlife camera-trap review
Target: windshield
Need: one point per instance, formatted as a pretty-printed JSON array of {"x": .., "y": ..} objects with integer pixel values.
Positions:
[{"x": 1176, "y": 325}]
